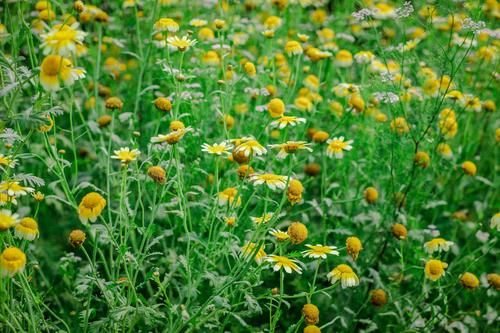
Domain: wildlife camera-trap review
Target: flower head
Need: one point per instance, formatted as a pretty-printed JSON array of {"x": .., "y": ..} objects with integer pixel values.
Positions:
[
  {"x": 345, "y": 275},
  {"x": 217, "y": 148},
  {"x": 274, "y": 182},
  {"x": 62, "y": 39},
  {"x": 12, "y": 261},
  {"x": 56, "y": 69},
  {"x": 13, "y": 189},
  {"x": 125, "y": 155},
  {"x": 434, "y": 269},
  {"x": 319, "y": 251},
  {"x": 181, "y": 44},
  {"x": 291, "y": 147},
  {"x": 27, "y": 229},
  {"x": 437, "y": 244},
  {"x": 7, "y": 219},
  {"x": 281, "y": 262},
  {"x": 336, "y": 147},
  {"x": 91, "y": 207},
  {"x": 249, "y": 249}
]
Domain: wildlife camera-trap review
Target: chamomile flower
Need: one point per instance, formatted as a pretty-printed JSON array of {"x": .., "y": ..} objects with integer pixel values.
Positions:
[
  {"x": 90, "y": 207},
  {"x": 125, "y": 155},
  {"x": 437, "y": 245},
  {"x": 229, "y": 197},
  {"x": 274, "y": 182},
  {"x": 12, "y": 261},
  {"x": 250, "y": 249},
  {"x": 217, "y": 148},
  {"x": 7, "y": 219},
  {"x": 62, "y": 39},
  {"x": 285, "y": 121},
  {"x": 281, "y": 262},
  {"x": 345, "y": 275},
  {"x": 250, "y": 147},
  {"x": 280, "y": 236},
  {"x": 180, "y": 44},
  {"x": 435, "y": 269},
  {"x": 166, "y": 24},
  {"x": 290, "y": 147},
  {"x": 336, "y": 147},
  {"x": 262, "y": 219},
  {"x": 319, "y": 251},
  {"x": 13, "y": 189},
  {"x": 7, "y": 161},
  {"x": 56, "y": 70},
  {"x": 27, "y": 229},
  {"x": 171, "y": 138},
  {"x": 7, "y": 199}
]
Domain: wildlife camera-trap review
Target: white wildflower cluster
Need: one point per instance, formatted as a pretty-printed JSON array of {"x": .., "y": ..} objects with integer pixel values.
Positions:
[
  {"x": 386, "y": 97},
  {"x": 495, "y": 34},
  {"x": 405, "y": 11},
  {"x": 362, "y": 14},
  {"x": 470, "y": 25},
  {"x": 386, "y": 76}
]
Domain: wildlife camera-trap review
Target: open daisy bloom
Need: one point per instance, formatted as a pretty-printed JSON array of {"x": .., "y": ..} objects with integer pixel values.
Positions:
[
  {"x": 280, "y": 236},
  {"x": 285, "y": 121},
  {"x": 27, "y": 229},
  {"x": 262, "y": 219},
  {"x": 62, "y": 39},
  {"x": 56, "y": 70},
  {"x": 13, "y": 189},
  {"x": 171, "y": 138},
  {"x": 250, "y": 250},
  {"x": 434, "y": 269},
  {"x": 7, "y": 219},
  {"x": 336, "y": 147},
  {"x": 291, "y": 147},
  {"x": 7, "y": 161},
  {"x": 217, "y": 148},
  {"x": 180, "y": 44},
  {"x": 229, "y": 197},
  {"x": 125, "y": 155},
  {"x": 91, "y": 207},
  {"x": 437, "y": 244},
  {"x": 250, "y": 147},
  {"x": 274, "y": 182},
  {"x": 281, "y": 262},
  {"x": 345, "y": 275},
  {"x": 319, "y": 251}
]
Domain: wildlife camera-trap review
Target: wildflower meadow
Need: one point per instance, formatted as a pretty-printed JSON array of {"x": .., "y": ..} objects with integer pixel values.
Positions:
[{"x": 249, "y": 166}]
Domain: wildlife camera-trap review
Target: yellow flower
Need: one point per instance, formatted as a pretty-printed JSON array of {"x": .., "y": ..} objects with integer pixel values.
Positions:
[
  {"x": 378, "y": 297},
  {"x": 354, "y": 247},
  {"x": 285, "y": 121},
  {"x": 400, "y": 126},
  {"x": 7, "y": 219},
  {"x": 281, "y": 262},
  {"x": 217, "y": 149},
  {"x": 469, "y": 280},
  {"x": 293, "y": 48},
  {"x": 469, "y": 168},
  {"x": 345, "y": 275},
  {"x": 62, "y": 39},
  {"x": 294, "y": 192},
  {"x": 280, "y": 236},
  {"x": 399, "y": 231},
  {"x": 319, "y": 251},
  {"x": 262, "y": 219},
  {"x": 6, "y": 199},
  {"x": 163, "y": 104},
  {"x": 276, "y": 107},
  {"x": 343, "y": 59},
  {"x": 27, "y": 229},
  {"x": 371, "y": 195},
  {"x": 290, "y": 147},
  {"x": 181, "y": 44},
  {"x": 7, "y": 161},
  {"x": 171, "y": 138},
  {"x": 250, "y": 147},
  {"x": 434, "y": 269},
  {"x": 228, "y": 196},
  {"x": 250, "y": 249},
  {"x": 274, "y": 182},
  {"x": 311, "y": 314},
  {"x": 297, "y": 232},
  {"x": 91, "y": 207},
  {"x": 125, "y": 155},
  {"x": 13, "y": 189},
  {"x": 55, "y": 69},
  {"x": 12, "y": 261},
  {"x": 336, "y": 147},
  {"x": 312, "y": 329},
  {"x": 422, "y": 159},
  {"x": 77, "y": 237},
  {"x": 166, "y": 24},
  {"x": 157, "y": 173},
  {"x": 444, "y": 150},
  {"x": 437, "y": 244}
]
